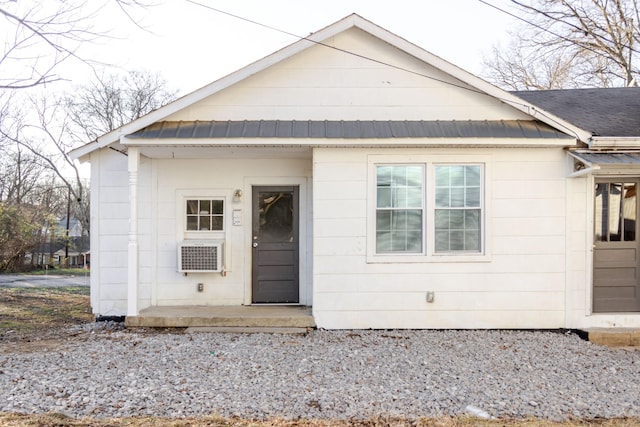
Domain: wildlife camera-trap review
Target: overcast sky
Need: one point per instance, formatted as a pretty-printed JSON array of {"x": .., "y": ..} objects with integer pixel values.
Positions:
[{"x": 192, "y": 45}]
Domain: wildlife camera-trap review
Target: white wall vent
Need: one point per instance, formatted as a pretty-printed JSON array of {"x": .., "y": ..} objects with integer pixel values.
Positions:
[{"x": 200, "y": 256}]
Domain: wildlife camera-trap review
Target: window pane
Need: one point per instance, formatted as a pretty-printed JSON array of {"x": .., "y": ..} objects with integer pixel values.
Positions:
[
  {"x": 472, "y": 241},
  {"x": 442, "y": 241},
  {"x": 217, "y": 207},
  {"x": 216, "y": 223},
  {"x": 442, "y": 197},
  {"x": 383, "y": 176},
  {"x": 192, "y": 207},
  {"x": 383, "y": 220},
  {"x": 414, "y": 241},
  {"x": 457, "y": 197},
  {"x": 472, "y": 176},
  {"x": 399, "y": 199},
  {"x": 456, "y": 240},
  {"x": 456, "y": 219},
  {"x": 414, "y": 220},
  {"x": 615, "y": 201},
  {"x": 399, "y": 241},
  {"x": 472, "y": 197},
  {"x": 442, "y": 219},
  {"x": 192, "y": 223},
  {"x": 205, "y": 207},
  {"x": 442, "y": 176},
  {"x": 383, "y": 241},
  {"x": 414, "y": 198},
  {"x": 472, "y": 220},
  {"x": 414, "y": 176},
  {"x": 398, "y": 220},
  {"x": 629, "y": 212},
  {"x": 384, "y": 197},
  {"x": 399, "y": 176},
  {"x": 601, "y": 214},
  {"x": 456, "y": 176},
  {"x": 204, "y": 223}
]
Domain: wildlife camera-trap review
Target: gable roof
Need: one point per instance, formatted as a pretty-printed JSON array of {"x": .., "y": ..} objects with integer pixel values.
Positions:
[
  {"x": 605, "y": 112},
  {"x": 318, "y": 37}
]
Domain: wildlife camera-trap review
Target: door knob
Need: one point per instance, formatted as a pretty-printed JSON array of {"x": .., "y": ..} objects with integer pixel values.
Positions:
[{"x": 255, "y": 244}]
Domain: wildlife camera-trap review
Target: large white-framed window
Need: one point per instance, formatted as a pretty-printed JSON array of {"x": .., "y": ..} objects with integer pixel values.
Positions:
[
  {"x": 399, "y": 208},
  {"x": 458, "y": 208},
  {"x": 427, "y": 209}
]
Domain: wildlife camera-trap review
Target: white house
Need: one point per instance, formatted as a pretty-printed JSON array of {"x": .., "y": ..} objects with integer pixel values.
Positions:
[{"x": 355, "y": 173}]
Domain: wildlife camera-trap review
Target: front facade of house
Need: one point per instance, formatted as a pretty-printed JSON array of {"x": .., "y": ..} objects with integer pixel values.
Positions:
[{"x": 386, "y": 189}]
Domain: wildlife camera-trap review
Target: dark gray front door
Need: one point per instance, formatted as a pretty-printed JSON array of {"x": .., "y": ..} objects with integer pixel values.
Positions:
[
  {"x": 616, "y": 284},
  {"x": 275, "y": 245}
]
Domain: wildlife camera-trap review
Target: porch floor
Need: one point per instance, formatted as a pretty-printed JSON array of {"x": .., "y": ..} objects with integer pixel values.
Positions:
[{"x": 223, "y": 316}]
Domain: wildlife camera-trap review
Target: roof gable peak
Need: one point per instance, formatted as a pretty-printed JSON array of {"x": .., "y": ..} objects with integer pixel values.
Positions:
[{"x": 318, "y": 38}]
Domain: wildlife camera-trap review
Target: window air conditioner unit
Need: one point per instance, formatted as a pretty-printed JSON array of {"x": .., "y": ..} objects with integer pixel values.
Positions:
[{"x": 200, "y": 256}]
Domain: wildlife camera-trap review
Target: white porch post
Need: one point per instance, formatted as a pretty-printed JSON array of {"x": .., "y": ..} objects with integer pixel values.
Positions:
[{"x": 132, "y": 273}]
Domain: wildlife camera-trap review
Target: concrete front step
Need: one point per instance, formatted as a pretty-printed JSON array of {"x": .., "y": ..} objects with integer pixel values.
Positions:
[
  {"x": 614, "y": 337},
  {"x": 223, "y": 316},
  {"x": 247, "y": 330}
]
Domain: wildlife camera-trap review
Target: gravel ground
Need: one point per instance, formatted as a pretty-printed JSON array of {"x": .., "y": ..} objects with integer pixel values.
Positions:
[{"x": 325, "y": 374}]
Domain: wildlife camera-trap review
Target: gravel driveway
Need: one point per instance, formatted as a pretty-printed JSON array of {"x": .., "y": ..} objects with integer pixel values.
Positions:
[{"x": 325, "y": 374}]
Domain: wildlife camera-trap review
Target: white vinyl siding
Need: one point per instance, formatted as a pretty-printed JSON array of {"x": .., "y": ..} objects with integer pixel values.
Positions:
[{"x": 516, "y": 281}]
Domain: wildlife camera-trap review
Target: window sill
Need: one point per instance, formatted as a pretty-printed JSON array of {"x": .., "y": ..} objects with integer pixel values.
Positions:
[
  {"x": 428, "y": 259},
  {"x": 204, "y": 235}
]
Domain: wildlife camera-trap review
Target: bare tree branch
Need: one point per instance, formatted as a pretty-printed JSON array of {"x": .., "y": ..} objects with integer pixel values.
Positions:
[
  {"x": 42, "y": 35},
  {"x": 598, "y": 41}
]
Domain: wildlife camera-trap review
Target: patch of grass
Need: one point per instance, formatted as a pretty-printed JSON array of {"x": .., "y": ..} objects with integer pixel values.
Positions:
[
  {"x": 28, "y": 309},
  {"x": 60, "y": 420}
]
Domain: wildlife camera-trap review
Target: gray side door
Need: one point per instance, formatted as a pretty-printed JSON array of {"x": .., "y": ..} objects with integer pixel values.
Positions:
[
  {"x": 275, "y": 245},
  {"x": 616, "y": 284}
]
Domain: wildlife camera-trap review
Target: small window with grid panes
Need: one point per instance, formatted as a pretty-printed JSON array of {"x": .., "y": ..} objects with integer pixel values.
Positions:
[{"x": 205, "y": 215}]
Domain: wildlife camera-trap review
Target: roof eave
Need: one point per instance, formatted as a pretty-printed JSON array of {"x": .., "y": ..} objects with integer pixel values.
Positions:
[
  {"x": 615, "y": 142},
  {"x": 345, "y": 142}
]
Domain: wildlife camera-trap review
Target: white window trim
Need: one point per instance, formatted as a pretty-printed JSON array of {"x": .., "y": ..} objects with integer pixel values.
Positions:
[
  {"x": 429, "y": 255},
  {"x": 199, "y": 214},
  {"x": 181, "y": 213}
]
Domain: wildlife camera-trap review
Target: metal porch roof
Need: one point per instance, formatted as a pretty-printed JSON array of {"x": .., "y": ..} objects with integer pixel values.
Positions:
[
  {"x": 608, "y": 158},
  {"x": 349, "y": 129}
]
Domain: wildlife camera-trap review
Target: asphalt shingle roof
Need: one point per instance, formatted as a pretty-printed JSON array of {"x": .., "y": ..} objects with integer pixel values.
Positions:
[{"x": 613, "y": 112}]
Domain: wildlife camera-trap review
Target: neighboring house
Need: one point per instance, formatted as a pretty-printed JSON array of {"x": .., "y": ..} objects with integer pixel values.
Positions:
[
  {"x": 54, "y": 250},
  {"x": 356, "y": 173},
  {"x": 77, "y": 251}
]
